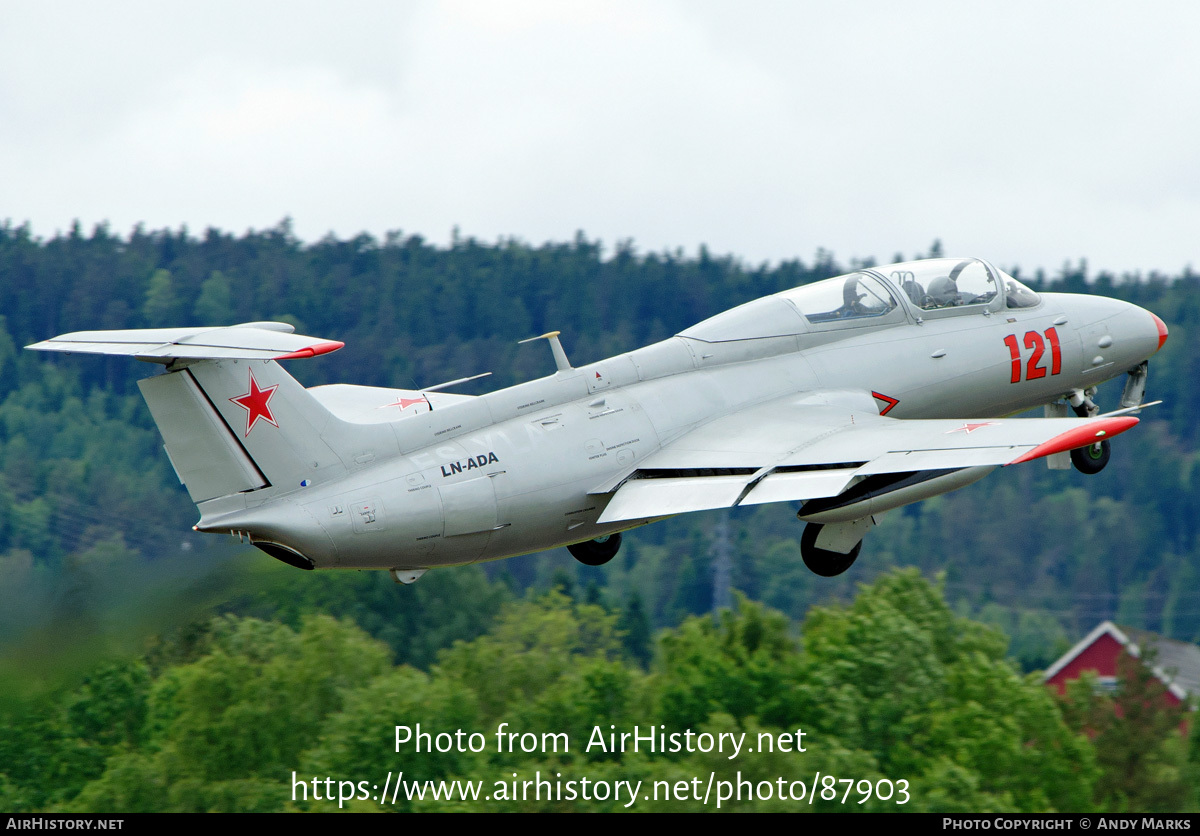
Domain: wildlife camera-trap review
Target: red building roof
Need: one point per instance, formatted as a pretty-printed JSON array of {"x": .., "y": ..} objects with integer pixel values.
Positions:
[{"x": 1176, "y": 663}]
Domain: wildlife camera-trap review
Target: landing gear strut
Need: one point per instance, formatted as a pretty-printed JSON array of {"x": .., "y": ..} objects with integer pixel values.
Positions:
[
  {"x": 596, "y": 552},
  {"x": 1094, "y": 457}
]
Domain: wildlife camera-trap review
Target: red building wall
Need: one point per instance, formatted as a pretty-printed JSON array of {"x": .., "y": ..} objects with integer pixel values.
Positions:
[{"x": 1100, "y": 656}]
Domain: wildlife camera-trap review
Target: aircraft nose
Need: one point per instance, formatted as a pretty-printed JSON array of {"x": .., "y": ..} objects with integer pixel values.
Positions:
[
  {"x": 1162, "y": 329},
  {"x": 1141, "y": 333}
]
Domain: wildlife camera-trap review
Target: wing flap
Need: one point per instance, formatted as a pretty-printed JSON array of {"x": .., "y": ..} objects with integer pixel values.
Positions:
[
  {"x": 792, "y": 487},
  {"x": 664, "y": 497}
]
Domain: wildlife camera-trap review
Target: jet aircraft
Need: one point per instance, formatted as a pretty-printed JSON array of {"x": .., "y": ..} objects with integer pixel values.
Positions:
[{"x": 852, "y": 396}]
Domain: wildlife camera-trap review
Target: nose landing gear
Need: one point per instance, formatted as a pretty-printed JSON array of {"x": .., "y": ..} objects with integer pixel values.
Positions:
[
  {"x": 1094, "y": 457},
  {"x": 1091, "y": 459}
]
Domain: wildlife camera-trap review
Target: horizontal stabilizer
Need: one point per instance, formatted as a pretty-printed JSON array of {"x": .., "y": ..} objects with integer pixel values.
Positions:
[{"x": 249, "y": 341}]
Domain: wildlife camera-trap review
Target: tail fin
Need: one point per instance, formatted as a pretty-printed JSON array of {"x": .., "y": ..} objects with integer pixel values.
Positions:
[
  {"x": 272, "y": 432},
  {"x": 233, "y": 420},
  {"x": 206, "y": 456}
]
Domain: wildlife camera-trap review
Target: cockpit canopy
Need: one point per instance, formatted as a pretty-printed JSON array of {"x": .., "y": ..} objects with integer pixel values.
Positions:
[
  {"x": 855, "y": 296},
  {"x": 939, "y": 283},
  {"x": 932, "y": 288}
]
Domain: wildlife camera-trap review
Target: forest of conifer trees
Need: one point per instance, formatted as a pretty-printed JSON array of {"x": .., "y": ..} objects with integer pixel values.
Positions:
[{"x": 119, "y": 625}]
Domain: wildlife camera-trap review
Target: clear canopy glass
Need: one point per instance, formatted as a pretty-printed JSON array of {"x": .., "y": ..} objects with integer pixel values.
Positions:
[
  {"x": 856, "y": 296},
  {"x": 944, "y": 282},
  {"x": 858, "y": 299},
  {"x": 939, "y": 283},
  {"x": 1017, "y": 295}
]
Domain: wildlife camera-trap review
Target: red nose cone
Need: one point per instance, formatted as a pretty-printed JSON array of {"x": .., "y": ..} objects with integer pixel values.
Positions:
[{"x": 1162, "y": 331}]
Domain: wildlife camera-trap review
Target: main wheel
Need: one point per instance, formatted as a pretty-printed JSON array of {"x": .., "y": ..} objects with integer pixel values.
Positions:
[
  {"x": 1091, "y": 459},
  {"x": 596, "y": 552},
  {"x": 823, "y": 562}
]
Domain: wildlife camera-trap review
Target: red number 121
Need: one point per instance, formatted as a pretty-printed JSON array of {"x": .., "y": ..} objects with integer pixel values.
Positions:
[{"x": 1034, "y": 369}]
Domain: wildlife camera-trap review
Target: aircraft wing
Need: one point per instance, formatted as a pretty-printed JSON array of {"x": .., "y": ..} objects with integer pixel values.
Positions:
[{"x": 817, "y": 445}]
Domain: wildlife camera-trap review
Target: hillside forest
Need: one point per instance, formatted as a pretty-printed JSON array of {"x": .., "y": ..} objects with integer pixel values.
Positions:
[{"x": 146, "y": 667}]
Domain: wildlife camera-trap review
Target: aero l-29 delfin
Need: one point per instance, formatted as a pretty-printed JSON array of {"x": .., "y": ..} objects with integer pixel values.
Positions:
[{"x": 854, "y": 395}]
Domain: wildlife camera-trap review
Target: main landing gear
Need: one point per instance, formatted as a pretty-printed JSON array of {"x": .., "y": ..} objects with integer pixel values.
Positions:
[
  {"x": 828, "y": 549},
  {"x": 824, "y": 562},
  {"x": 596, "y": 552}
]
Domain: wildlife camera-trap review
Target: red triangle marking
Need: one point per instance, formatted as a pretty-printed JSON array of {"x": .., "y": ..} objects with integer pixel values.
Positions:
[{"x": 889, "y": 401}]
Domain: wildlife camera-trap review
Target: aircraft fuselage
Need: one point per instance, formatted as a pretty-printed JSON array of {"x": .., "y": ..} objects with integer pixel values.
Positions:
[{"x": 517, "y": 470}]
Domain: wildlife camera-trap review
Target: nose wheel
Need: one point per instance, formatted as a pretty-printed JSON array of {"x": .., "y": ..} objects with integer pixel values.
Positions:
[
  {"x": 1091, "y": 459},
  {"x": 1094, "y": 457}
]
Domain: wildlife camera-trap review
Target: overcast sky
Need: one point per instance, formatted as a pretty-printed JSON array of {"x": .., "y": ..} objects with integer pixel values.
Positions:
[{"x": 1025, "y": 133}]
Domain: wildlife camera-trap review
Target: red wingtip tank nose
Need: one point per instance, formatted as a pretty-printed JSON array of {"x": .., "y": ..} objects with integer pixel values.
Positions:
[{"x": 1097, "y": 429}]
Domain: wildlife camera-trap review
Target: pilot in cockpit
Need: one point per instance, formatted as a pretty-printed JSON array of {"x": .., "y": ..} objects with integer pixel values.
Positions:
[
  {"x": 944, "y": 292},
  {"x": 852, "y": 298}
]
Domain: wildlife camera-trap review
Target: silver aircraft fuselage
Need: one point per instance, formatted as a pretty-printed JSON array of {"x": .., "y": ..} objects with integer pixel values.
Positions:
[{"x": 533, "y": 466}]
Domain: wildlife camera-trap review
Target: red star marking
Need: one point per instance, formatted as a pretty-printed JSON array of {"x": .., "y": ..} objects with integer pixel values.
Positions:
[
  {"x": 256, "y": 402},
  {"x": 970, "y": 428},
  {"x": 404, "y": 403}
]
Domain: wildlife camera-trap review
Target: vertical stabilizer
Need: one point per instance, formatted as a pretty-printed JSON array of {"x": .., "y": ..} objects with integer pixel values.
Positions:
[
  {"x": 206, "y": 456},
  {"x": 233, "y": 420},
  {"x": 279, "y": 426}
]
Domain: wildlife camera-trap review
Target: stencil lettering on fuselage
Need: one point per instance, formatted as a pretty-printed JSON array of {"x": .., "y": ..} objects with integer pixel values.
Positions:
[{"x": 472, "y": 463}]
